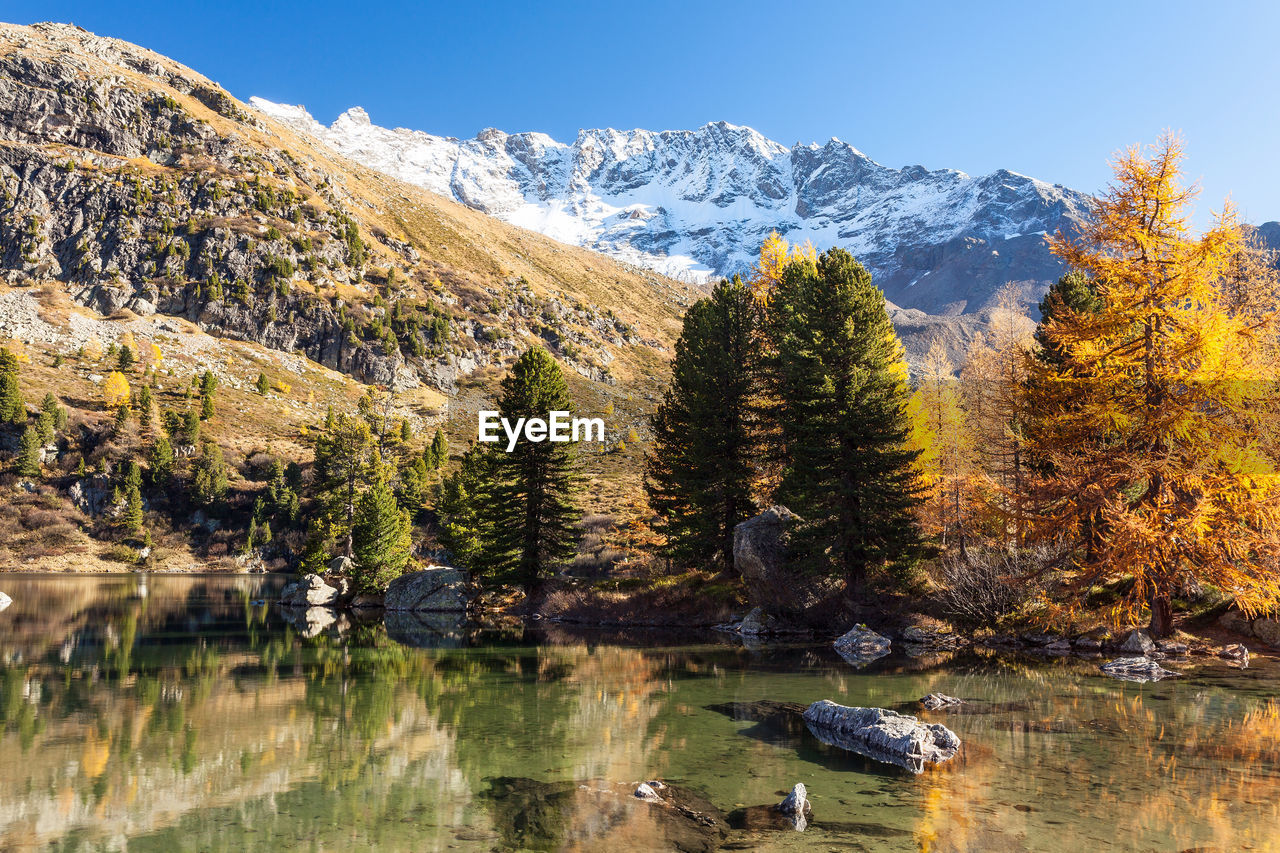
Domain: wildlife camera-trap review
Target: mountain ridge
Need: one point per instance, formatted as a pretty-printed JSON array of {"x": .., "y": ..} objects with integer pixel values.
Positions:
[{"x": 697, "y": 203}]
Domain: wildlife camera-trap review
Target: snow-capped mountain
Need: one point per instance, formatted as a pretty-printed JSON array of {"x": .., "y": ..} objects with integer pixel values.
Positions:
[{"x": 698, "y": 203}]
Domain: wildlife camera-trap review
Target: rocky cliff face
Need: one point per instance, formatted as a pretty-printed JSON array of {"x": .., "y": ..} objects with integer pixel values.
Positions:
[
  {"x": 701, "y": 202},
  {"x": 138, "y": 184}
]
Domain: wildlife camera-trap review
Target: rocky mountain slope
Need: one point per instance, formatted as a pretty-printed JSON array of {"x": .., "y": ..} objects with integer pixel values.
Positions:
[
  {"x": 136, "y": 184},
  {"x": 698, "y": 203}
]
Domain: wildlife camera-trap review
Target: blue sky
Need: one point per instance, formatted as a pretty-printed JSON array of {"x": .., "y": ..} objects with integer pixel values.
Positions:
[{"x": 1050, "y": 90}]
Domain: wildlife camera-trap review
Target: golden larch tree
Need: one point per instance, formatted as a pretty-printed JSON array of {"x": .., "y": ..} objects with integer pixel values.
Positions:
[
  {"x": 995, "y": 379},
  {"x": 115, "y": 390},
  {"x": 942, "y": 432},
  {"x": 1148, "y": 427}
]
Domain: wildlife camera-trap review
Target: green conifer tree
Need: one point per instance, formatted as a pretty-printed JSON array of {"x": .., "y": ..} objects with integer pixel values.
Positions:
[
  {"x": 133, "y": 518},
  {"x": 13, "y": 409},
  {"x": 262, "y": 384},
  {"x": 380, "y": 534},
  {"x": 465, "y": 495},
  {"x": 703, "y": 463},
  {"x": 28, "y": 461},
  {"x": 160, "y": 460},
  {"x": 438, "y": 450},
  {"x": 842, "y": 386},
  {"x": 209, "y": 476},
  {"x": 144, "y": 406},
  {"x": 534, "y": 513},
  {"x": 344, "y": 461}
]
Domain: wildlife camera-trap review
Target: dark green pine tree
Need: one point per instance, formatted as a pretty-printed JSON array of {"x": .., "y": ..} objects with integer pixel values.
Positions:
[
  {"x": 262, "y": 385},
  {"x": 380, "y": 534},
  {"x": 465, "y": 495},
  {"x": 438, "y": 450},
  {"x": 133, "y": 519},
  {"x": 209, "y": 477},
  {"x": 27, "y": 463},
  {"x": 13, "y": 409},
  {"x": 842, "y": 388},
  {"x": 411, "y": 490},
  {"x": 700, "y": 471},
  {"x": 208, "y": 386},
  {"x": 533, "y": 508},
  {"x": 344, "y": 461},
  {"x": 1075, "y": 293},
  {"x": 160, "y": 461}
]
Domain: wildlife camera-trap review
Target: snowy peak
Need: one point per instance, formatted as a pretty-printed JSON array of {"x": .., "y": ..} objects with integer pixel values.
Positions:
[{"x": 697, "y": 203}]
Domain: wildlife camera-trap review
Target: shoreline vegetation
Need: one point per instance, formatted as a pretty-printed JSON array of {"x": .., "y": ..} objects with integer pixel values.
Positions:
[{"x": 1115, "y": 468}]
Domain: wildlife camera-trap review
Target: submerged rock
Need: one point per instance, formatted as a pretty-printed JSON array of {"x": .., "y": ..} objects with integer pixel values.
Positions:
[
  {"x": 1236, "y": 652},
  {"x": 860, "y": 645},
  {"x": 437, "y": 588},
  {"x": 597, "y": 815},
  {"x": 1136, "y": 669},
  {"x": 5, "y": 601},
  {"x": 645, "y": 791},
  {"x": 934, "y": 701},
  {"x": 882, "y": 735},
  {"x": 310, "y": 591}
]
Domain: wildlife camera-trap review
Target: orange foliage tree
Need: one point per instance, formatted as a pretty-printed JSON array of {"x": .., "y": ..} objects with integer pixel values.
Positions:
[{"x": 1147, "y": 428}]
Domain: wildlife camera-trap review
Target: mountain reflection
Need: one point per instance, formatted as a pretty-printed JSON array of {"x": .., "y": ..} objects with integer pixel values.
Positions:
[{"x": 185, "y": 713}]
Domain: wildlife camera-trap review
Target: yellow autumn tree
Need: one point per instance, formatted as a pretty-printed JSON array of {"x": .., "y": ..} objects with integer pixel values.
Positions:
[
  {"x": 775, "y": 254},
  {"x": 157, "y": 356},
  {"x": 115, "y": 390},
  {"x": 1148, "y": 425},
  {"x": 995, "y": 377},
  {"x": 941, "y": 432}
]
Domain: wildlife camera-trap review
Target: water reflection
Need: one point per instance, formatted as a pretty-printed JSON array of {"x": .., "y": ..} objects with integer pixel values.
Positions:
[{"x": 187, "y": 713}]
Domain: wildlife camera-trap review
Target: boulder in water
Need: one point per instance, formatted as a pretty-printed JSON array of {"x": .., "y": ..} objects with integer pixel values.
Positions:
[
  {"x": 860, "y": 645},
  {"x": 934, "y": 701},
  {"x": 1136, "y": 669},
  {"x": 882, "y": 735},
  {"x": 644, "y": 791},
  {"x": 310, "y": 591}
]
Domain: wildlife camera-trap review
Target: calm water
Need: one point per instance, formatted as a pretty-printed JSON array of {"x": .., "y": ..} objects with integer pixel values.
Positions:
[{"x": 184, "y": 713}]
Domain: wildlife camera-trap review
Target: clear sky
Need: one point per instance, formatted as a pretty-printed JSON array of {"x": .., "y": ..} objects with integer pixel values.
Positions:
[{"x": 1046, "y": 89}]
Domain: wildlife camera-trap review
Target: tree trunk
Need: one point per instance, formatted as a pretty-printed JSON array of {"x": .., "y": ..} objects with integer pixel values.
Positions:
[{"x": 1161, "y": 615}]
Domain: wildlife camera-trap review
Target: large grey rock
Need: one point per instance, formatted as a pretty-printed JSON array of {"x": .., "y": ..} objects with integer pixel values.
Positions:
[
  {"x": 1267, "y": 630},
  {"x": 1139, "y": 669},
  {"x": 433, "y": 589},
  {"x": 797, "y": 802},
  {"x": 1138, "y": 643},
  {"x": 760, "y": 544},
  {"x": 644, "y": 791},
  {"x": 882, "y": 735},
  {"x": 860, "y": 645},
  {"x": 757, "y": 623},
  {"x": 5, "y": 601},
  {"x": 796, "y": 807},
  {"x": 936, "y": 701},
  {"x": 310, "y": 591}
]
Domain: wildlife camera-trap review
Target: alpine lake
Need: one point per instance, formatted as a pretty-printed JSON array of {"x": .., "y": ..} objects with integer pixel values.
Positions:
[{"x": 187, "y": 712}]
